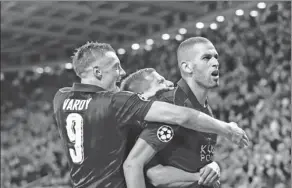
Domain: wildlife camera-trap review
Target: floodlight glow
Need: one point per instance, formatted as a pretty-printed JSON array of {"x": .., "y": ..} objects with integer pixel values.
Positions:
[
  {"x": 121, "y": 51},
  {"x": 253, "y": 13},
  {"x": 220, "y": 18},
  {"x": 261, "y": 5},
  {"x": 165, "y": 36},
  {"x": 213, "y": 26},
  {"x": 178, "y": 37},
  {"x": 135, "y": 46},
  {"x": 39, "y": 70},
  {"x": 182, "y": 31},
  {"x": 200, "y": 25},
  {"x": 68, "y": 66},
  {"x": 239, "y": 12},
  {"x": 149, "y": 41}
]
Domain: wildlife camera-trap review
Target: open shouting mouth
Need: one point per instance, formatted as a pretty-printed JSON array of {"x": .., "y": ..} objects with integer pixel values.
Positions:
[{"x": 215, "y": 73}]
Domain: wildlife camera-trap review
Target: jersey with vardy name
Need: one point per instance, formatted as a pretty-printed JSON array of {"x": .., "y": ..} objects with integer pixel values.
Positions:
[{"x": 93, "y": 127}]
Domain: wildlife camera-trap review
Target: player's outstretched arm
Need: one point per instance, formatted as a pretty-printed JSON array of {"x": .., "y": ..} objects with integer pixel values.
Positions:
[
  {"x": 127, "y": 107},
  {"x": 168, "y": 176},
  {"x": 195, "y": 120},
  {"x": 133, "y": 166}
]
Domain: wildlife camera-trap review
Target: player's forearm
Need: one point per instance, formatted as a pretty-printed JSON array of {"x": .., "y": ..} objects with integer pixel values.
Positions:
[
  {"x": 202, "y": 122},
  {"x": 133, "y": 166},
  {"x": 186, "y": 117},
  {"x": 176, "y": 185},
  {"x": 134, "y": 175},
  {"x": 167, "y": 175},
  {"x": 167, "y": 113}
]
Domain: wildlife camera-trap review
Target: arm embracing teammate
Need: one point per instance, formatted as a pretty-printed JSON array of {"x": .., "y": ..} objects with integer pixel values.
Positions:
[{"x": 156, "y": 136}]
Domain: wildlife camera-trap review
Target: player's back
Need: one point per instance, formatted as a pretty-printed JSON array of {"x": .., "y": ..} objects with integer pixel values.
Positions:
[
  {"x": 92, "y": 124},
  {"x": 90, "y": 137}
]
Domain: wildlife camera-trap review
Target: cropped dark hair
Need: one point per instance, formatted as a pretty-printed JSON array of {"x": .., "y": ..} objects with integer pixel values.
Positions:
[{"x": 188, "y": 44}]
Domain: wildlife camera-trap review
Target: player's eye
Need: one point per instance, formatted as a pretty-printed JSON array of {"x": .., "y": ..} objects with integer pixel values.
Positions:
[
  {"x": 206, "y": 58},
  {"x": 160, "y": 80}
]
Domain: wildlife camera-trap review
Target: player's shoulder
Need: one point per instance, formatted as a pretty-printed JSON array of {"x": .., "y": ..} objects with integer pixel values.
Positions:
[
  {"x": 60, "y": 96},
  {"x": 126, "y": 93},
  {"x": 112, "y": 96},
  {"x": 167, "y": 96},
  {"x": 62, "y": 92},
  {"x": 122, "y": 95},
  {"x": 65, "y": 89}
]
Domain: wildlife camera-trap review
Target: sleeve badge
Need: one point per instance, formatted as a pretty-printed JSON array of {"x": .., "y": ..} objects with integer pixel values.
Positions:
[{"x": 165, "y": 133}]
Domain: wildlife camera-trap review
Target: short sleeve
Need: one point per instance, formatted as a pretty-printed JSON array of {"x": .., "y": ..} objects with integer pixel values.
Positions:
[
  {"x": 129, "y": 107},
  {"x": 60, "y": 97},
  {"x": 57, "y": 101},
  {"x": 158, "y": 135}
]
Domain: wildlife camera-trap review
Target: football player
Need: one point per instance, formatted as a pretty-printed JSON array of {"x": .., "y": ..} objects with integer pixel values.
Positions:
[
  {"x": 150, "y": 84},
  {"x": 92, "y": 118},
  {"x": 191, "y": 151}
]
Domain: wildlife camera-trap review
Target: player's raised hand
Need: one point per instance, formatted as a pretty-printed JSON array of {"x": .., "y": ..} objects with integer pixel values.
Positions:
[{"x": 237, "y": 135}]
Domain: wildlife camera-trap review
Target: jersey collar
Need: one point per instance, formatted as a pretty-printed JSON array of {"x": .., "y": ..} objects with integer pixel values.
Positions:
[
  {"x": 187, "y": 90},
  {"x": 86, "y": 88}
]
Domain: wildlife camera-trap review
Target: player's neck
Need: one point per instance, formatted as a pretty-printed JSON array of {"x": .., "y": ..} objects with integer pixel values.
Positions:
[
  {"x": 97, "y": 83},
  {"x": 200, "y": 92},
  {"x": 91, "y": 82}
]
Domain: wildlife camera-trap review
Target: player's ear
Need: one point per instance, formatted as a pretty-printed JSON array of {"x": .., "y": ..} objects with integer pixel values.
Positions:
[
  {"x": 186, "y": 67},
  {"x": 97, "y": 73}
]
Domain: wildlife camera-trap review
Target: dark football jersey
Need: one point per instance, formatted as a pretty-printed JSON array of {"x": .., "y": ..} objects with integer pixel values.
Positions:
[
  {"x": 187, "y": 150},
  {"x": 93, "y": 126},
  {"x": 158, "y": 135},
  {"x": 133, "y": 134},
  {"x": 135, "y": 131}
]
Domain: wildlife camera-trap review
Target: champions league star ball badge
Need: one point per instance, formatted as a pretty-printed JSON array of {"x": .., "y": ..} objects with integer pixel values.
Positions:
[
  {"x": 165, "y": 133},
  {"x": 143, "y": 98}
]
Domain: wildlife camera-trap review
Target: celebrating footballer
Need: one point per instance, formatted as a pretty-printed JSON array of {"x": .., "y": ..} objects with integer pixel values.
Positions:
[{"x": 95, "y": 120}]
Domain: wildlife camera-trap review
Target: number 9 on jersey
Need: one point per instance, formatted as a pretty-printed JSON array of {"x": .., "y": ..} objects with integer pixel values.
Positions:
[{"x": 74, "y": 127}]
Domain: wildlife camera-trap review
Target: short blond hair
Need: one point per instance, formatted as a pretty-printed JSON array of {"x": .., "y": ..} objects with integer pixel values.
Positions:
[
  {"x": 137, "y": 82},
  {"x": 88, "y": 53}
]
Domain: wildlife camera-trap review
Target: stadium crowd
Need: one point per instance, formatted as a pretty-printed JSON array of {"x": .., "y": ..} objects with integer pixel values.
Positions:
[{"x": 255, "y": 85}]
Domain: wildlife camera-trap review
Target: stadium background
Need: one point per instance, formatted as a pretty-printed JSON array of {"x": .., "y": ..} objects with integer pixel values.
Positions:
[{"x": 254, "y": 44}]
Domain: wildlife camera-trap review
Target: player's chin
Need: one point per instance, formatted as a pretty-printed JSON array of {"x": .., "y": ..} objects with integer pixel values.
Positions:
[
  {"x": 215, "y": 79},
  {"x": 117, "y": 85},
  {"x": 214, "y": 84},
  {"x": 118, "y": 82}
]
